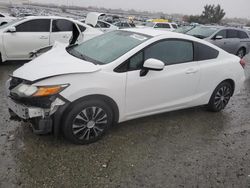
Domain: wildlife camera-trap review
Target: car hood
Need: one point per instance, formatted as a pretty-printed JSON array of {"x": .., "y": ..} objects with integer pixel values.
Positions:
[
  {"x": 93, "y": 17},
  {"x": 55, "y": 62}
]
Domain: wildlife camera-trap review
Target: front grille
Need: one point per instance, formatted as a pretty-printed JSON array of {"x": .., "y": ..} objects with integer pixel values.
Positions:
[{"x": 40, "y": 102}]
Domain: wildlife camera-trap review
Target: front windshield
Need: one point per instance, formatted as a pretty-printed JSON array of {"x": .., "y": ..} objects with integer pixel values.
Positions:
[
  {"x": 183, "y": 29},
  {"x": 202, "y": 32},
  {"x": 10, "y": 23},
  {"x": 108, "y": 47}
]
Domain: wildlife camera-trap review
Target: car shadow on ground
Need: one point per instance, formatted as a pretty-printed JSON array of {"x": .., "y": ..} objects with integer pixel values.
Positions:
[{"x": 169, "y": 123}]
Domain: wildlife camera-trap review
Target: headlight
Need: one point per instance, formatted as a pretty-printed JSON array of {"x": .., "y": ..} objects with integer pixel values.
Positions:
[{"x": 24, "y": 90}]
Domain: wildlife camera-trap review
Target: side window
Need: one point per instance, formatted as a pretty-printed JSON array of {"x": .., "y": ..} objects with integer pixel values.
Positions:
[
  {"x": 107, "y": 25},
  {"x": 39, "y": 25},
  {"x": 82, "y": 28},
  {"x": 171, "y": 51},
  {"x": 125, "y": 25},
  {"x": 165, "y": 25},
  {"x": 158, "y": 25},
  {"x": 102, "y": 25},
  {"x": 242, "y": 35},
  {"x": 136, "y": 61},
  {"x": 231, "y": 33},
  {"x": 2, "y": 16},
  {"x": 204, "y": 52},
  {"x": 62, "y": 25},
  {"x": 222, "y": 33},
  {"x": 174, "y": 26}
]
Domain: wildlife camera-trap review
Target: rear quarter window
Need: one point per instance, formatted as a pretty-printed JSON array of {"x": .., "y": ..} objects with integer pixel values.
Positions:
[
  {"x": 242, "y": 35},
  {"x": 203, "y": 52}
]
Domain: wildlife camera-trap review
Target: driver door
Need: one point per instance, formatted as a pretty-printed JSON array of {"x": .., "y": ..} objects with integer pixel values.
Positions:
[
  {"x": 173, "y": 87},
  {"x": 29, "y": 35}
]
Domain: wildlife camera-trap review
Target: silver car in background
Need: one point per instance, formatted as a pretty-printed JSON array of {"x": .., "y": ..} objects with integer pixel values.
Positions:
[{"x": 232, "y": 40}]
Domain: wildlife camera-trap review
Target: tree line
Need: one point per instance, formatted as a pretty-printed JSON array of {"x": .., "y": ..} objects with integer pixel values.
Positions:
[{"x": 211, "y": 15}]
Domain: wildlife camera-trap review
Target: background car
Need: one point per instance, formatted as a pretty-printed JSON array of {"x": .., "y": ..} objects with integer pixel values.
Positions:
[
  {"x": 5, "y": 18},
  {"x": 105, "y": 26},
  {"x": 136, "y": 73},
  {"x": 162, "y": 25},
  {"x": 22, "y": 36},
  {"x": 232, "y": 40},
  {"x": 124, "y": 25},
  {"x": 184, "y": 29}
]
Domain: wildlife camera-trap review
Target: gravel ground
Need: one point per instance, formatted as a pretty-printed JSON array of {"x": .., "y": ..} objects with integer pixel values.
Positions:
[{"x": 186, "y": 148}]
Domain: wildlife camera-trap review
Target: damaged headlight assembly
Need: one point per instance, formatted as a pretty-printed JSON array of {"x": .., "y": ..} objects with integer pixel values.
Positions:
[
  {"x": 25, "y": 90},
  {"x": 45, "y": 97}
]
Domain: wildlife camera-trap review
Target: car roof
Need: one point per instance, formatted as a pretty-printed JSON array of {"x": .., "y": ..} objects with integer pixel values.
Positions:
[
  {"x": 153, "y": 32},
  {"x": 58, "y": 17},
  {"x": 222, "y": 27},
  {"x": 47, "y": 17},
  {"x": 169, "y": 34}
]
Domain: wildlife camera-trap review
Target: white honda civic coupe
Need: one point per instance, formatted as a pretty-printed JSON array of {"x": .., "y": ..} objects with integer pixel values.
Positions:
[
  {"x": 22, "y": 36},
  {"x": 121, "y": 75}
]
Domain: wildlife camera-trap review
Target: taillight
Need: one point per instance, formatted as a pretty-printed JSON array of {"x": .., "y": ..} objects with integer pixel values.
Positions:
[{"x": 243, "y": 63}]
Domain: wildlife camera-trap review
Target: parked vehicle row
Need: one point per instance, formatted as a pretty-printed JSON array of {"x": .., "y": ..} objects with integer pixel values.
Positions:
[
  {"x": 84, "y": 89},
  {"x": 232, "y": 40},
  {"x": 22, "y": 36},
  {"x": 5, "y": 18},
  {"x": 162, "y": 25}
]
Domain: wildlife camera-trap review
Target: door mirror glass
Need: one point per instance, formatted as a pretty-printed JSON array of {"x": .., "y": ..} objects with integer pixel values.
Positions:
[
  {"x": 218, "y": 37},
  {"x": 154, "y": 64},
  {"x": 12, "y": 30}
]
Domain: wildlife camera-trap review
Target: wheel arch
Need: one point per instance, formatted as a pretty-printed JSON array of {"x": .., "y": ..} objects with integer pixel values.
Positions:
[
  {"x": 107, "y": 100},
  {"x": 58, "y": 116},
  {"x": 231, "y": 82},
  {"x": 242, "y": 47}
]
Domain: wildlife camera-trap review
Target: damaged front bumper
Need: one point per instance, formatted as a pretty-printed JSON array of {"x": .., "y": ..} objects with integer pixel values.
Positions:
[{"x": 42, "y": 119}]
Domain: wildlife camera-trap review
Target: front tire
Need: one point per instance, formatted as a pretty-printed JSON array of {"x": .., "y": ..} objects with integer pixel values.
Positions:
[
  {"x": 87, "y": 121},
  {"x": 220, "y": 97}
]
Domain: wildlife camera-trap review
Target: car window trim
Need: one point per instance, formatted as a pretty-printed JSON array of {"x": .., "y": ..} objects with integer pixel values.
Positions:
[
  {"x": 25, "y": 21},
  {"x": 143, "y": 50},
  {"x": 64, "y": 20}
]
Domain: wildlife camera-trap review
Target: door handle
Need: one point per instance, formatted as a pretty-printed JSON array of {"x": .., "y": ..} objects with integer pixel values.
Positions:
[
  {"x": 191, "y": 71},
  {"x": 43, "y": 37},
  {"x": 65, "y": 36}
]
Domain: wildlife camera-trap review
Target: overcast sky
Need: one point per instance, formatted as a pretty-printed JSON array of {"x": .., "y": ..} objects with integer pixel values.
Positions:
[{"x": 233, "y": 8}]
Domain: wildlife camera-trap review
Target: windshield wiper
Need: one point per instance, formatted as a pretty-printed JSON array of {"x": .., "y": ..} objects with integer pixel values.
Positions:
[{"x": 199, "y": 36}]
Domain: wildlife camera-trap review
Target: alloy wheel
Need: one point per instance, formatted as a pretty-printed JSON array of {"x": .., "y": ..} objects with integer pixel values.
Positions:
[
  {"x": 89, "y": 123},
  {"x": 222, "y": 97}
]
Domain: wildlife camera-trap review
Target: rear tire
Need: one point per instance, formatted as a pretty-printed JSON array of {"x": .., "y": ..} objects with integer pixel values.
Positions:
[
  {"x": 87, "y": 121},
  {"x": 220, "y": 97},
  {"x": 241, "y": 53}
]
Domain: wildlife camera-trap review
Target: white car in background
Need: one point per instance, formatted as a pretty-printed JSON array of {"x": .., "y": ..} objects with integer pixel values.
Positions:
[
  {"x": 22, "y": 36},
  {"x": 162, "y": 25},
  {"x": 118, "y": 76},
  {"x": 92, "y": 19},
  {"x": 5, "y": 18}
]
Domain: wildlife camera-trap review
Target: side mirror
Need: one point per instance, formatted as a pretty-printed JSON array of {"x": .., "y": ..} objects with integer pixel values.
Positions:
[
  {"x": 218, "y": 37},
  {"x": 152, "y": 64},
  {"x": 11, "y": 29}
]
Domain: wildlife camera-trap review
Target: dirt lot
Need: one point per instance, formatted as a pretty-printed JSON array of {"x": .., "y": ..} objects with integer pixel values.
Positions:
[{"x": 187, "y": 148}]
